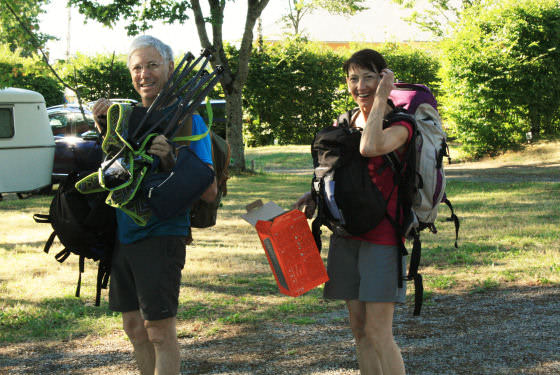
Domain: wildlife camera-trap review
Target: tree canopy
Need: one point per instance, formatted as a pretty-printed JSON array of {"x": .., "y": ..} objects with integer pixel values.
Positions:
[
  {"x": 300, "y": 8},
  {"x": 439, "y": 16},
  {"x": 11, "y": 32}
]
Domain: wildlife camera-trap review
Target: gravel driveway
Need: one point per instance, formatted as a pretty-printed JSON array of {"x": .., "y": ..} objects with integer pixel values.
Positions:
[{"x": 510, "y": 331}]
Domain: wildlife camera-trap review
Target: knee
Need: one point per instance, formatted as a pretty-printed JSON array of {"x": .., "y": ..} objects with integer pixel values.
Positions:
[
  {"x": 378, "y": 335},
  {"x": 134, "y": 328},
  {"x": 161, "y": 331},
  {"x": 358, "y": 326}
]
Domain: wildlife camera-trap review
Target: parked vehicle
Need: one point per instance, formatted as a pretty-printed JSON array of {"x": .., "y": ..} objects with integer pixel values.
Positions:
[
  {"x": 78, "y": 144},
  {"x": 27, "y": 145}
]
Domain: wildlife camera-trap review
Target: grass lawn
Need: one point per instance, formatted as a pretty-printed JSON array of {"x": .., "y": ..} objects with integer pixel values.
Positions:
[{"x": 508, "y": 237}]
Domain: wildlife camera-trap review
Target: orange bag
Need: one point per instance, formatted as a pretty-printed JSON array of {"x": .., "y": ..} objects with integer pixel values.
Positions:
[{"x": 292, "y": 253}]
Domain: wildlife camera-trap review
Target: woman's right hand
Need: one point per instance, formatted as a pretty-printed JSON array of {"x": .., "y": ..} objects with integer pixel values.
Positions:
[
  {"x": 306, "y": 204},
  {"x": 386, "y": 84}
]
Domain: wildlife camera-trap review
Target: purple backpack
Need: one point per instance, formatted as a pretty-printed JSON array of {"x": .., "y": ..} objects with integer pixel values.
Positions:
[
  {"x": 431, "y": 147},
  {"x": 422, "y": 178}
]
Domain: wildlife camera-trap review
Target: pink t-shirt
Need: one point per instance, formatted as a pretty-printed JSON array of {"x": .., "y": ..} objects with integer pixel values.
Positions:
[{"x": 384, "y": 233}]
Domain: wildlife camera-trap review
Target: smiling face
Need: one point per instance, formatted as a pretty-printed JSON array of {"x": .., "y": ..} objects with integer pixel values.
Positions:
[
  {"x": 362, "y": 85},
  {"x": 149, "y": 73}
]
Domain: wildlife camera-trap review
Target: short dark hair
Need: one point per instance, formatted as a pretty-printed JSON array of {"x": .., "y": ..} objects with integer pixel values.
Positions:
[{"x": 365, "y": 58}]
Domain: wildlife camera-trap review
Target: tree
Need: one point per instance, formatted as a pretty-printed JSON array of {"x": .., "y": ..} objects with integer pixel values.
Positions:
[
  {"x": 300, "y": 8},
  {"x": 501, "y": 74},
  {"x": 439, "y": 16},
  {"x": 12, "y": 34},
  {"x": 141, "y": 14},
  {"x": 28, "y": 73}
]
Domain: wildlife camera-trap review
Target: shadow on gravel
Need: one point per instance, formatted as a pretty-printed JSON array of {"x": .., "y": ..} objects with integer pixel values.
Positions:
[{"x": 509, "y": 331}]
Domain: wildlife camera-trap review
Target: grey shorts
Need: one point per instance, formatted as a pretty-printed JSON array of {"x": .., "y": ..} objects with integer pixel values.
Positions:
[
  {"x": 146, "y": 276},
  {"x": 363, "y": 271}
]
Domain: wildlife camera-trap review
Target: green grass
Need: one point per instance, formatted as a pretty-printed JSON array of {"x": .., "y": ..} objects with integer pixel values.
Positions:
[
  {"x": 279, "y": 157},
  {"x": 508, "y": 237}
]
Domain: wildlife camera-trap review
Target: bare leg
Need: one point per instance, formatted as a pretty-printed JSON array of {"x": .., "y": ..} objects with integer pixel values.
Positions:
[
  {"x": 372, "y": 325},
  {"x": 368, "y": 359},
  {"x": 143, "y": 349},
  {"x": 163, "y": 335}
]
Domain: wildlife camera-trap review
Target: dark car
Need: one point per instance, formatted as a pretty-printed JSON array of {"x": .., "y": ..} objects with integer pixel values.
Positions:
[{"x": 78, "y": 144}]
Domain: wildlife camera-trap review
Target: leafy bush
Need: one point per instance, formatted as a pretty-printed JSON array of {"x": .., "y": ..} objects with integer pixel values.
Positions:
[
  {"x": 501, "y": 74},
  {"x": 290, "y": 92},
  {"x": 298, "y": 87},
  {"x": 28, "y": 73},
  {"x": 98, "y": 76}
]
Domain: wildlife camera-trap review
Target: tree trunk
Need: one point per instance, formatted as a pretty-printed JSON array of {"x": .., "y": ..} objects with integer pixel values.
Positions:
[
  {"x": 234, "y": 131},
  {"x": 232, "y": 82},
  {"x": 535, "y": 120}
]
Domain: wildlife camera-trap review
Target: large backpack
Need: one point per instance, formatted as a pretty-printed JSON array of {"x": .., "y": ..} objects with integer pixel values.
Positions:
[
  {"x": 85, "y": 226},
  {"x": 204, "y": 214},
  {"x": 421, "y": 178},
  {"x": 348, "y": 202},
  {"x": 425, "y": 184}
]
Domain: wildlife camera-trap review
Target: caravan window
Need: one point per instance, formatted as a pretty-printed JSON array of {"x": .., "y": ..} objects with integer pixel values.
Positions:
[{"x": 6, "y": 123}]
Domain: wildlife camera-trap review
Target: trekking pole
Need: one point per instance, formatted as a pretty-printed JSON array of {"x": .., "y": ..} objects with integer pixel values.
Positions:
[
  {"x": 183, "y": 112},
  {"x": 194, "y": 79},
  {"x": 172, "y": 92},
  {"x": 203, "y": 77}
]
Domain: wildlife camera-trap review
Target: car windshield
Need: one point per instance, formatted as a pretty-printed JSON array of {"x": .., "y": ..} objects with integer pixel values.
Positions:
[{"x": 70, "y": 122}]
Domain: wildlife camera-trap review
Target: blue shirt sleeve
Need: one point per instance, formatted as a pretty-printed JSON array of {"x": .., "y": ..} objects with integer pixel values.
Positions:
[{"x": 202, "y": 148}]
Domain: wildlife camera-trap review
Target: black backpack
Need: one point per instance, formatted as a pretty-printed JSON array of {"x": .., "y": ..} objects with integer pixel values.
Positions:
[
  {"x": 348, "y": 202},
  {"x": 204, "y": 214},
  {"x": 355, "y": 205},
  {"x": 85, "y": 226}
]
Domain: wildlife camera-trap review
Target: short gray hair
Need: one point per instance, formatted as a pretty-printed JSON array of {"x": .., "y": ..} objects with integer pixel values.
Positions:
[{"x": 145, "y": 41}]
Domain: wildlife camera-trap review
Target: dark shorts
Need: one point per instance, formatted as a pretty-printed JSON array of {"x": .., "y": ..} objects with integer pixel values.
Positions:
[
  {"x": 146, "y": 276},
  {"x": 360, "y": 270}
]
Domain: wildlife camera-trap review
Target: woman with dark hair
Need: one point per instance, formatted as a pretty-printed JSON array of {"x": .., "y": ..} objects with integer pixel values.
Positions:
[{"x": 363, "y": 270}]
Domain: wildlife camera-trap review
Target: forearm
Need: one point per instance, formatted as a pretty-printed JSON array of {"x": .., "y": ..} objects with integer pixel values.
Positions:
[{"x": 373, "y": 141}]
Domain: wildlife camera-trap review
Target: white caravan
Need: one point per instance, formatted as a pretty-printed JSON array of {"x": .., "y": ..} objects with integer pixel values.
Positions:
[{"x": 26, "y": 141}]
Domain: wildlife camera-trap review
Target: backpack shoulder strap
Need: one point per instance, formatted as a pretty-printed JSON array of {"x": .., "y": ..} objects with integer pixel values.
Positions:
[
  {"x": 452, "y": 218},
  {"x": 345, "y": 119},
  {"x": 396, "y": 115}
]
